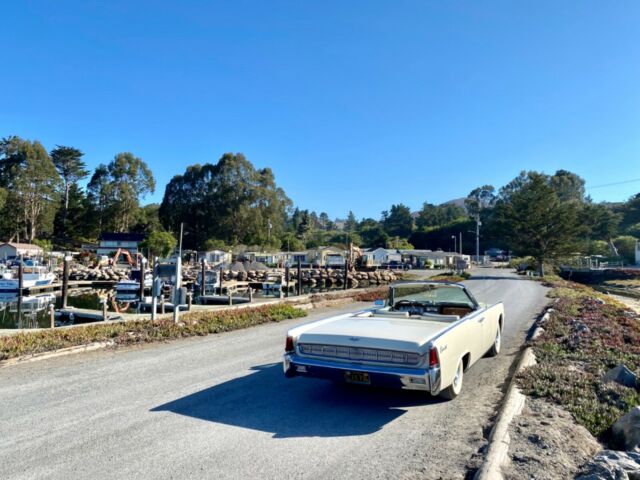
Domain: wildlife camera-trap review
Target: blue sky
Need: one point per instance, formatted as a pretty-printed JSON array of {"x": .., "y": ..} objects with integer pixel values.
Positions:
[{"x": 355, "y": 105}]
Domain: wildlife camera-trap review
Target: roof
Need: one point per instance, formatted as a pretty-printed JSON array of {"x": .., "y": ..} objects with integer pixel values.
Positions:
[
  {"x": 23, "y": 246},
  {"x": 123, "y": 237}
]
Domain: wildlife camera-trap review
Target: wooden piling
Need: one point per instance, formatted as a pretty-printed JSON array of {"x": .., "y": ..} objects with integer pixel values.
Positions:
[
  {"x": 346, "y": 272},
  {"x": 286, "y": 279},
  {"x": 52, "y": 315},
  {"x": 65, "y": 280}
]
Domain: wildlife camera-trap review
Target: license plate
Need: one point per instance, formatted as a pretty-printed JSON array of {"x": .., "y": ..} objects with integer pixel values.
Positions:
[{"x": 357, "y": 377}]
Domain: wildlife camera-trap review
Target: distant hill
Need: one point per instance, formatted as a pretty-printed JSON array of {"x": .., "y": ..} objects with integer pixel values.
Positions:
[
  {"x": 456, "y": 201},
  {"x": 459, "y": 202}
]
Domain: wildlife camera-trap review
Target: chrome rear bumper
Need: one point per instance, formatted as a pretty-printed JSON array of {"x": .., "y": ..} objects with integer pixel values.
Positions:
[{"x": 389, "y": 376}]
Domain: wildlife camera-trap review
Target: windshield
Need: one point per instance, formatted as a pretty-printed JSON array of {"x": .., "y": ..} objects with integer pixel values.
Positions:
[{"x": 428, "y": 294}]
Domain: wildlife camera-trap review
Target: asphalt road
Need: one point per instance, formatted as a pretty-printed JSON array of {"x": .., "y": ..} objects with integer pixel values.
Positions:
[{"x": 219, "y": 407}]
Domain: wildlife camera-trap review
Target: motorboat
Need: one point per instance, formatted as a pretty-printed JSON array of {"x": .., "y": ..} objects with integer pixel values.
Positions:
[
  {"x": 132, "y": 284},
  {"x": 33, "y": 275}
]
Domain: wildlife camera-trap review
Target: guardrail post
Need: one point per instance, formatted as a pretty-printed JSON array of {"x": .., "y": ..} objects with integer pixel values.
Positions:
[{"x": 104, "y": 309}]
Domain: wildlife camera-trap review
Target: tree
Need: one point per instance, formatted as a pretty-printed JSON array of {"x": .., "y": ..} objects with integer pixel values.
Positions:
[
  {"x": 351, "y": 224},
  {"x": 148, "y": 220},
  {"x": 535, "y": 221},
  {"x": 131, "y": 179},
  {"x": 292, "y": 243},
  {"x": 374, "y": 236},
  {"x": 99, "y": 189},
  {"x": 630, "y": 212},
  {"x": 117, "y": 188},
  {"x": 78, "y": 223},
  {"x": 568, "y": 186},
  {"x": 231, "y": 201},
  {"x": 626, "y": 246},
  {"x": 399, "y": 243},
  {"x": 398, "y": 222},
  {"x": 304, "y": 227},
  {"x": 480, "y": 199},
  {"x": 70, "y": 167},
  {"x": 215, "y": 244},
  {"x": 31, "y": 181},
  {"x": 438, "y": 215},
  {"x": 160, "y": 244},
  {"x": 324, "y": 220}
]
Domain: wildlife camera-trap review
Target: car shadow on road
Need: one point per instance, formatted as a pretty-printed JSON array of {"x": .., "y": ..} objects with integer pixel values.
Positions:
[{"x": 265, "y": 400}]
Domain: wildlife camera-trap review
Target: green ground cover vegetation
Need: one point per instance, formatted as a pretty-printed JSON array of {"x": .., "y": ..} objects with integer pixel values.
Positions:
[
  {"x": 195, "y": 323},
  {"x": 586, "y": 335}
]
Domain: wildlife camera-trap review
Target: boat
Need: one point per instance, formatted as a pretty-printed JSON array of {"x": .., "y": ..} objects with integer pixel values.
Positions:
[
  {"x": 132, "y": 284},
  {"x": 32, "y": 304},
  {"x": 33, "y": 275},
  {"x": 275, "y": 282}
]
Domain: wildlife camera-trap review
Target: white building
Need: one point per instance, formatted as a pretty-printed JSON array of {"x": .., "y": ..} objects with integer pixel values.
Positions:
[
  {"x": 381, "y": 257},
  {"x": 14, "y": 250},
  {"x": 215, "y": 257},
  {"x": 111, "y": 242}
]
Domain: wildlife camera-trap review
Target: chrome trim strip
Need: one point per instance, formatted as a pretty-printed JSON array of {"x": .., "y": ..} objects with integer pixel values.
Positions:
[{"x": 312, "y": 362}]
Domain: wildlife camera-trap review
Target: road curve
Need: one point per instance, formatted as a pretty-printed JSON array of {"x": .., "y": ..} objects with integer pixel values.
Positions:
[{"x": 219, "y": 407}]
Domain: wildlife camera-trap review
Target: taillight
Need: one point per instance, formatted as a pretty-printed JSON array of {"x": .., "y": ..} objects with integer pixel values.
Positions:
[
  {"x": 288, "y": 346},
  {"x": 434, "y": 361}
]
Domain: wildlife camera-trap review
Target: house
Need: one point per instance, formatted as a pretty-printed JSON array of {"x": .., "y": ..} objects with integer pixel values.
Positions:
[
  {"x": 13, "y": 250},
  {"x": 325, "y": 257},
  {"x": 268, "y": 258},
  {"x": 379, "y": 257},
  {"x": 295, "y": 257},
  {"x": 437, "y": 259},
  {"x": 110, "y": 242},
  {"x": 215, "y": 257}
]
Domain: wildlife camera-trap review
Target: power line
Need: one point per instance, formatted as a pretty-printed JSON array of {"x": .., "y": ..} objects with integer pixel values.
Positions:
[{"x": 614, "y": 183}]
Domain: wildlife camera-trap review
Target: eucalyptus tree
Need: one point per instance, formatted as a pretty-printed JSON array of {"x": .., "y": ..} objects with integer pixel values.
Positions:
[
  {"x": 31, "y": 181},
  {"x": 116, "y": 190},
  {"x": 231, "y": 201}
]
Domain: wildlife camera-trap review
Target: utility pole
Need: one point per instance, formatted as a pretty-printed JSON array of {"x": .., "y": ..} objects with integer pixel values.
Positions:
[{"x": 460, "y": 243}]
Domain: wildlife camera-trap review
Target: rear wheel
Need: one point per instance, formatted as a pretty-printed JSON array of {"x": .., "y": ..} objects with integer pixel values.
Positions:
[
  {"x": 495, "y": 348},
  {"x": 455, "y": 388}
]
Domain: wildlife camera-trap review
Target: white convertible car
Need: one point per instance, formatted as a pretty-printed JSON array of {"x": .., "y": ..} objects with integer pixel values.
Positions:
[{"x": 424, "y": 337}]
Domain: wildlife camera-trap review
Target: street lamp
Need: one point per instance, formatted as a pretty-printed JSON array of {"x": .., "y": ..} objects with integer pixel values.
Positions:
[{"x": 455, "y": 244}]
